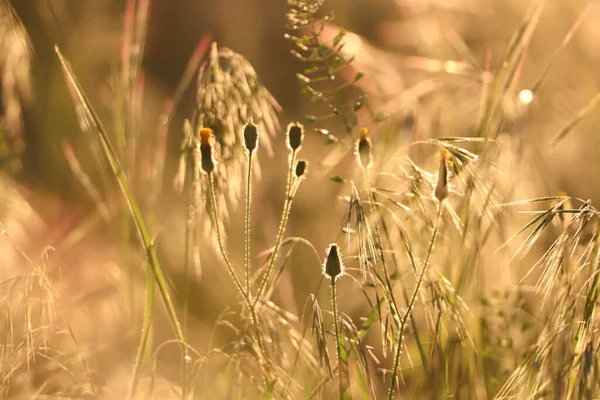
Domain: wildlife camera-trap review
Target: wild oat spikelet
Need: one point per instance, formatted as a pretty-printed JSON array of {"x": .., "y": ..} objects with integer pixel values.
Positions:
[
  {"x": 295, "y": 134},
  {"x": 441, "y": 189},
  {"x": 301, "y": 168},
  {"x": 207, "y": 162},
  {"x": 363, "y": 148},
  {"x": 250, "y": 136},
  {"x": 333, "y": 266},
  {"x": 229, "y": 93}
]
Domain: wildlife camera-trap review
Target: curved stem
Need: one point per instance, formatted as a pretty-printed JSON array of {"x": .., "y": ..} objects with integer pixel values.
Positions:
[
  {"x": 236, "y": 281},
  {"x": 289, "y": 193},
  {"x": 411, "y": 303}
]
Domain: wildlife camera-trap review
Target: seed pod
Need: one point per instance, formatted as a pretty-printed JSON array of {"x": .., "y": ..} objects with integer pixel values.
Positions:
[
  {"x": 363, "y": 148},
  {"x": 334, "y": 267},
  {"x": 295, "y": 134},
  {"x": 301, "y": 168},
  {"x": 207, "y": 162},
  {"x": 250, "y": 136},
  {"x": 441, "y": 189}
]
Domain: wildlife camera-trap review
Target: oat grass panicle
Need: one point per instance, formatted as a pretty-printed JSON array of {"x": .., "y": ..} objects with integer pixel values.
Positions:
[{"x": 229, "y": 93}]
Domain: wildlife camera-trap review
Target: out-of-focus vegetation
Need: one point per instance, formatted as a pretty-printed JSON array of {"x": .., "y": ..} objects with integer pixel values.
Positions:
[{"x": 301, "y": 199}]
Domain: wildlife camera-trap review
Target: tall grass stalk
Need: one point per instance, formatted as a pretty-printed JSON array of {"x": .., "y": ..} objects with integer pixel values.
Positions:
[
  {"x": 289, "y": 196},
  {"x": 236, "y": 281},
  {"x": 342, "y": 369},
  {"x": 247, "y": 221},
  {"x": 409, "y": 308}
]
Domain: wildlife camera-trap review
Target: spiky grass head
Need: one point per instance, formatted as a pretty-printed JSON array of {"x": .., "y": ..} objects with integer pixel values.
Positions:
[{"x": 333, "y": 266}]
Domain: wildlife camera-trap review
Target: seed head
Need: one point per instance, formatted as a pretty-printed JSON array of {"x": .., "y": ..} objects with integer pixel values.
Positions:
[
  {"x": 295, "y": 134},
  {"x": 207, "y": 162},
  {"x": 363, "y": 148},
  {"x": 441, "y": 189},
  {"x": 334, "y": 267},
  {"x": 301, "y": 168},
  {"x": 250, "y": 136}
]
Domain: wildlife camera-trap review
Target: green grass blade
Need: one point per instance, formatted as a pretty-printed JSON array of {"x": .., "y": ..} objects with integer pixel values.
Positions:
[{"x": 82, "y": 101}]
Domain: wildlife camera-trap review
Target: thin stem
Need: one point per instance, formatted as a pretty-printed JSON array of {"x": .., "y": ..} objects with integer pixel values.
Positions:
[
  {"x": 146, "y": 339},
  {"x": 411, "y": 303},
  {"x": 342, "y": 367},
  {"x": 247, "y": 222},
  {"x": 337, "y": 330},
  {"x": 379, "y": 247},
  {"x": 289, "y": 193},
  {"x": 190, "y": 243},
  {"x": 214, "y": 207},
  {"x": 236, "y": 281}
]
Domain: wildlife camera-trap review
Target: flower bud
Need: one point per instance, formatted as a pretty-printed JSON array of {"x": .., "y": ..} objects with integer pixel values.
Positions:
[
  {"x": 207, "y": 162},
  {"x": 363, "y": 148},
  {"x": 295, "y": 134},
  {"x": 301, "y": 168},
  {"x": 250, "y": 136},
  {"x": 334, "y": 267}
]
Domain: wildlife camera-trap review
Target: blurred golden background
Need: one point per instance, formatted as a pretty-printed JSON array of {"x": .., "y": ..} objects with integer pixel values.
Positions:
[{"x": 423, "y": 63}]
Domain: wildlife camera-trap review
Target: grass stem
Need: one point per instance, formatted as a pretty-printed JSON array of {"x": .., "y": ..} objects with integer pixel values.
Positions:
[
  {"x": 411, "y": 304},
  {"x": 247, "y": 221},
  {"x": 284, "y": 218}
]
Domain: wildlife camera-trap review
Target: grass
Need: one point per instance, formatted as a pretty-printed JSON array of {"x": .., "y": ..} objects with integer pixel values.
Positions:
[{"x": 452, "y": 282}]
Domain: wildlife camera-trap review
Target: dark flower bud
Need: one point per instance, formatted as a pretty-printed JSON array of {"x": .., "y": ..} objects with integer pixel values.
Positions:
[
  {"x": 301, "y": 168},
  {"x": 207, "y": 162},
  {"x": 295, "y": 134},
  {"x": 334, "y": 267},
  {"x": 363, "y": 148},
  {"x": 250, "y": 136}
]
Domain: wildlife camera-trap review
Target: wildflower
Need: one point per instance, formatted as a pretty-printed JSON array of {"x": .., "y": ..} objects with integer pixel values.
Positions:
[{"x": 334, "y": 267}]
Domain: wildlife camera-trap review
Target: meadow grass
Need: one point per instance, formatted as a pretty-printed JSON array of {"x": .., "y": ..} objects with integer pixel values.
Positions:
[{"x": 403, "y": 302}]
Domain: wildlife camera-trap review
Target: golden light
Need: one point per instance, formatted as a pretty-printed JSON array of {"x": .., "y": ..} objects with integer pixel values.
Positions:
[{"x": 526, "y": 96}]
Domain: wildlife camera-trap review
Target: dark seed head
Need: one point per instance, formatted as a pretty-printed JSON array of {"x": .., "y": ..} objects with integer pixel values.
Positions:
[
  {"x": 363, "y": 148},
  {"x": 250, "y": 136},
  {"x": 334, "y": 267},
  {"x": 295, "y": 134},
  {"x": 301, "y": 168},
  {"x": 207, "y": 162}
]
